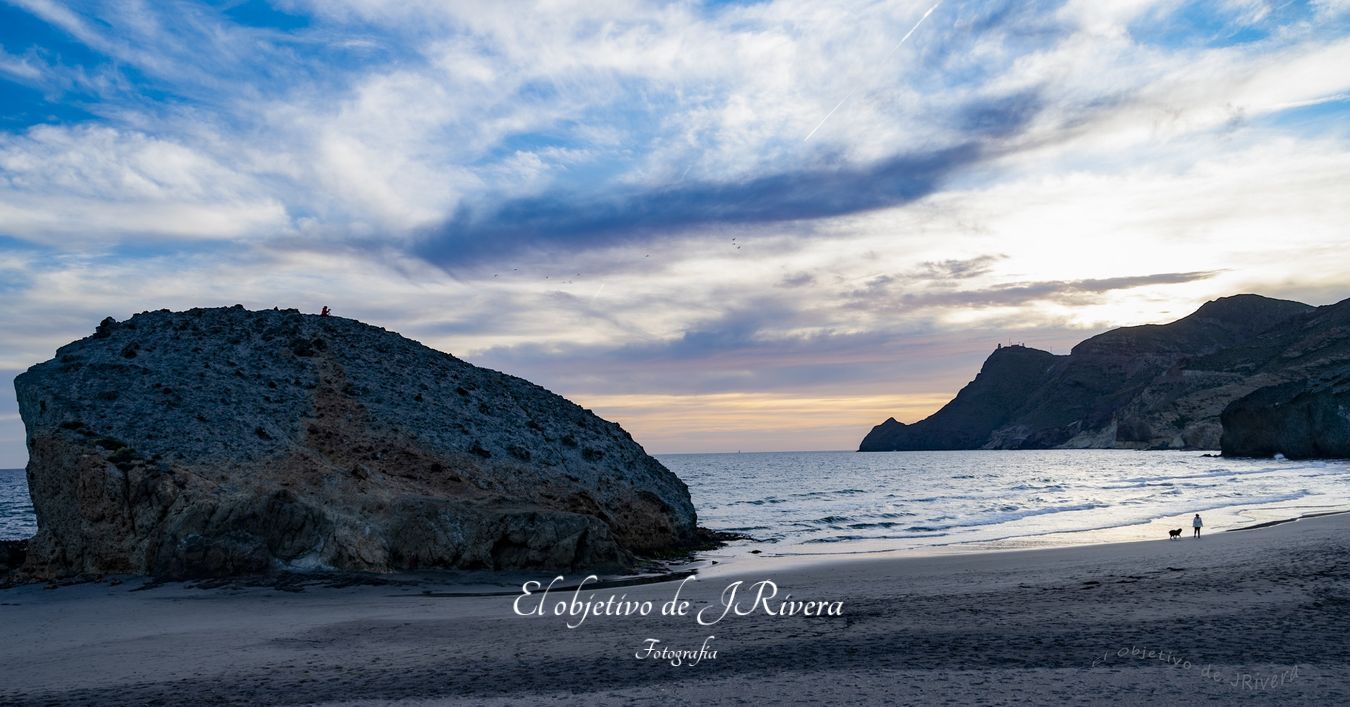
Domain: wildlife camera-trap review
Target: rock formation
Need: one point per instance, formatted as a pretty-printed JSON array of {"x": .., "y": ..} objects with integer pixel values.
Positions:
[
  {"x": 1008, "y": 378},
  {"x": 224, "y": 441},
  {"x": 1144, "y": 387},
  {"x": 1301, "y": 420}
]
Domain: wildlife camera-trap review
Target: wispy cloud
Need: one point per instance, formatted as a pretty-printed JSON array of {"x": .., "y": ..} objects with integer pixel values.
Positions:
[
  {"x": 904, "y": 293},
  {"x": 953, "y": 269}
]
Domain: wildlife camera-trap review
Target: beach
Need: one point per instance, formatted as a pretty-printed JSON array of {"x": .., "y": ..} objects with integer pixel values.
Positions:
[
  {"x": 1258, "y": 616},
  {"x": 367, "y": 352}
]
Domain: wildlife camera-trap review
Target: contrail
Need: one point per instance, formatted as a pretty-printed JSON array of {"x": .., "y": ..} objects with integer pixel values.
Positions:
[
  {"x": 888, "y": 56},
  {"x": 597, "y": 293}
]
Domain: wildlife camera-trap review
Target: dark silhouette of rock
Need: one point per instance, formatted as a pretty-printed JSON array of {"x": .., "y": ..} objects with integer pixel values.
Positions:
[
  {"x": 1009, "y": 376},
  {"x": 13, "y": 553},
  {"x": 1219, "y": 324},
  {"x": 1300, "y": 420},
  {"x": 1144, "y": 387},
  {"x": 219, "y": 442}
]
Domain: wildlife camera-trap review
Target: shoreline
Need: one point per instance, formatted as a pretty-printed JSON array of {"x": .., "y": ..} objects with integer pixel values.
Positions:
[
  {"x": 707, "y": 563},
  {"x": 978, "y": 552},
  {"x": 976, "y": 548},
  {"x": 1271, "y": 523},
  {"x": 1044, "y": 626}
]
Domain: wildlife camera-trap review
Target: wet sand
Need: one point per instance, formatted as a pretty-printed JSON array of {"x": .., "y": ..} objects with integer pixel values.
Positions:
[{"x": 1253, "y": 617}]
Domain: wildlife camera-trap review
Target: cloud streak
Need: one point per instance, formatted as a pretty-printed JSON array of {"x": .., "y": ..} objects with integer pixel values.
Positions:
[
  {"x": 1015, "y": 294},
  {"x": 568, "y": 222}
]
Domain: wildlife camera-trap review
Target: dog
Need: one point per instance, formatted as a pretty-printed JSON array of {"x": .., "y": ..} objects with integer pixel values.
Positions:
[{"x": 1174, "y": 534}]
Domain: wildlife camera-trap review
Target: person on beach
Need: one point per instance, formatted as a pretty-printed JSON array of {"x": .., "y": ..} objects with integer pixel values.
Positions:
[{"x": 1197, "y": 523}]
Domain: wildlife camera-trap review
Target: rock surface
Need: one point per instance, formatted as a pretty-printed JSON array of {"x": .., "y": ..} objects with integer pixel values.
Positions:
[
  {"x": 1145, "y": 387},
  {"x": 223, "y": 441},
  {"x": 1009, "y": 376},
  {"x": 1301, "y": 420}
]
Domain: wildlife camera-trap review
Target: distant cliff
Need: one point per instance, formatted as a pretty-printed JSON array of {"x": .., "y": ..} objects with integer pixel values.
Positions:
[{"x": 1144, "y": 387}]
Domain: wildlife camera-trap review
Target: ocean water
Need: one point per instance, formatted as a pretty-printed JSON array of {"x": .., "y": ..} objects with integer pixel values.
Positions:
[
  {"x": 16, "y": 510},
  {"x": 844, "y": 502},
  {"x": 814, "y": 503}
]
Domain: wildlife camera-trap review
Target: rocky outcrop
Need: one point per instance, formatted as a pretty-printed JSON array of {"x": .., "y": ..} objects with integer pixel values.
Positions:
[
  {"x": 1300, "y": 420},
  {"x": 226, "y": 441},
  {"x": 1145, "y": 387},
  {"x": 1009, "y": 376},
  {"x": 13, "y": 553}
]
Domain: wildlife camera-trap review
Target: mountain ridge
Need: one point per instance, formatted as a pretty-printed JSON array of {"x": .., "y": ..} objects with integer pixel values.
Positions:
[{"x": 1154, "y": 386}]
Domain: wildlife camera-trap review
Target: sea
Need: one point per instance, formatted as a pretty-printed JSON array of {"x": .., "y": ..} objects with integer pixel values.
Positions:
[
  {"x": 824, "y": 503},
  {"x": 16, "y": 508}
]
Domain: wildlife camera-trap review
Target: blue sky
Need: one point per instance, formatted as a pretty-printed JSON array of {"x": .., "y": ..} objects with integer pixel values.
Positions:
[{"x": 760, "y": 225}]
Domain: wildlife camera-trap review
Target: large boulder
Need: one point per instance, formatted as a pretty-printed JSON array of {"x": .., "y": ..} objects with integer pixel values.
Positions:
[
  {"x": 1300, "y": 420},
  {"x": 225, "y": 441}
]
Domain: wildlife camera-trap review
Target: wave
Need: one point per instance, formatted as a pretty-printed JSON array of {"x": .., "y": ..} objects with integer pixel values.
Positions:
[
  {"x": 1144, "y": 484},
  {"x": 818, "y": 494},
  {"x": 759, "y": 502},
  {"x": 1009, "y": 516},
  {"x": 853, "y": 538},
  {"x": 1210, "y": 474},
  {"x": 954, "y": 497}
]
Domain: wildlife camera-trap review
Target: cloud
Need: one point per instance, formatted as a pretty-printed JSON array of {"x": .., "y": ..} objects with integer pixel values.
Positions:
[
  {"x": 467, "y": 117},
  {"x": 1075, "y": 291},
  {"x": 743, "y": 356},
  {"x": 958, "y": 269},
  {"x": 564, "y": 221},
  {"x": 1001, "y": 117},
  {"x": 1328, "y": 9},
  {"x": 20, "y": 68},
  {"x": 911, "y": 293},
  {"x": 98, "y": 184}
]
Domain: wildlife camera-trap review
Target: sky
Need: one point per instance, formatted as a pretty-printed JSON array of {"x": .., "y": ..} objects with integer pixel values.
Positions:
[{"x": 727, "y": 226}]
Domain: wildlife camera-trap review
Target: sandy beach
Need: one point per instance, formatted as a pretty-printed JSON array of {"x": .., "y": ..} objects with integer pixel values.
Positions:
[
  {"x": 846, "y": 353},
  {"x": 1239, "y": 617}
]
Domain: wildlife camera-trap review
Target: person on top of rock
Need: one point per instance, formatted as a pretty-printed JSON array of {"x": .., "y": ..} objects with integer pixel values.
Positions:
[{"x": 325, "y": 311}]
